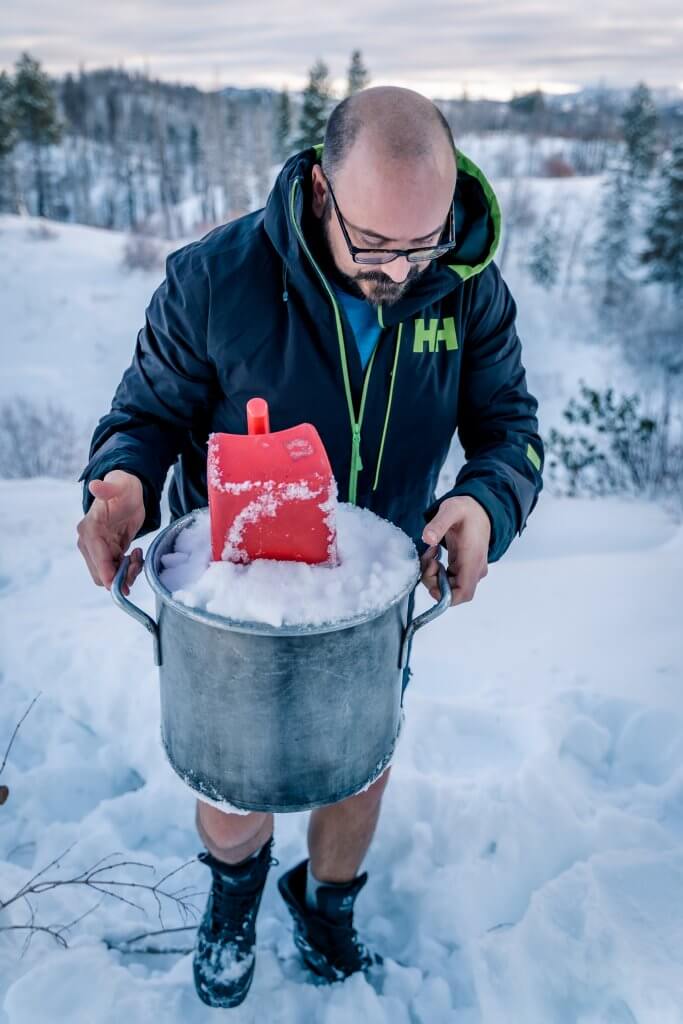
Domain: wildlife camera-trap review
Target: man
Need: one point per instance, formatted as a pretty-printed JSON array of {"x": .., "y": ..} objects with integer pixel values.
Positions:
[{"x": 364, "y": 299}]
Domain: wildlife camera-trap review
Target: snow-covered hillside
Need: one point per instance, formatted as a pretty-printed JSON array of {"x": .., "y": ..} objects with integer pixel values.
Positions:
[
  {"x": 528, "y": 865},
  {"x": 71, "y": 312}
]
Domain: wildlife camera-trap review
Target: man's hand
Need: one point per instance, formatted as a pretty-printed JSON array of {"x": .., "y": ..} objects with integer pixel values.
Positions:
[
  {"x": 466, "y": 527},
  {"x": 113, "y": 519}
]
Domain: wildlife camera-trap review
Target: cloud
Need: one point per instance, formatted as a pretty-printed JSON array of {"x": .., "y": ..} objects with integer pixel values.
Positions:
[{"x": 450, "y": 42}]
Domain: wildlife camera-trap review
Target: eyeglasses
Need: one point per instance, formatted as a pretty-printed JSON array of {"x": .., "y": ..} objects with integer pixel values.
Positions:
[{"x": 419, "y": 255}]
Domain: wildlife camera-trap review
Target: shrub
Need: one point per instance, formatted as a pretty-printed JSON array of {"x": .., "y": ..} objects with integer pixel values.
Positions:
[
  {"x": 557, "y": 167},
  {"x": 38, "y": 439},
  {"x": 142, "y": 252},
  {"x": 612, "y": 449}
]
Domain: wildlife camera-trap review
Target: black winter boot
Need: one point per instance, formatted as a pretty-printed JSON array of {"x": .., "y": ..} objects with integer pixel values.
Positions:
[
  {"x": 325, "y": 937},
  {"x": 224, "y": 951}
]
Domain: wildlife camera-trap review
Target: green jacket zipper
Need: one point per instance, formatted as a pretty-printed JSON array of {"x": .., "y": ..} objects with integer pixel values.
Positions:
[
  {"x": 356, "y": 422},
  {"x": 389, "y": 401}
]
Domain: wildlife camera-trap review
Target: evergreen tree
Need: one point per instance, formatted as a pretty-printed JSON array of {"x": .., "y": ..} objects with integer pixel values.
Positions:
[
  {"x": 544, "y": 265},
  {"x": 8, "y": 127},
  {"x": 283, "y": 124},
  {"x": 195, "y": 157},
  {"x": 36, "y": 118},
  {"x": 640, "y": 128},
  {"x": 74, "y": 102},
  {"x": 664, "y": 252},
  {"x": 613, "y": 256},
  {"x": 8, "y": 138},
  {"x": 358, "y": 75},
  {"x": 316, "y": 104},
  {"x": 528, "y": 103}
]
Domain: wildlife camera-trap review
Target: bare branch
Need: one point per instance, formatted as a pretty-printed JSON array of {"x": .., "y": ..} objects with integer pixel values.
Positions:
[
  {"x": 92, "y": 878},
  {"x": 29, "y": 886},
  {"x": 127, "y": 945},
  {"x": 16, "y": 730},
  {"x": 32, "y": 929},
  {"x": 158, "y": 931},
  {"x": 180, "y": 951}
]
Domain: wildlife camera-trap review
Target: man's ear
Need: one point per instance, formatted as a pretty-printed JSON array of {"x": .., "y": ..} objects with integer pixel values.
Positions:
[{"x": 319, "y": 189}]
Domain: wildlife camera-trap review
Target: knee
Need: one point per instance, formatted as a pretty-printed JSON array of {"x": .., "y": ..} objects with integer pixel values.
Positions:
[
  {"x": 373, "y": 794},
  {"x": 227, "y": 831}
]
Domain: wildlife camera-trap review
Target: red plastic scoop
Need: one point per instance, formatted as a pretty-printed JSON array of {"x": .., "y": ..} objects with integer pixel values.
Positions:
[{"x": 271, "y": 495}]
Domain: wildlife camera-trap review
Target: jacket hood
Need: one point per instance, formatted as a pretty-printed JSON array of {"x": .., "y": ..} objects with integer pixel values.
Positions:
[{"x": 288, "y": 216}]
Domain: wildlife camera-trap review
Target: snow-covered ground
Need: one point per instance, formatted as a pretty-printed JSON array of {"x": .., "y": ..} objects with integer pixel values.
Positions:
[
  {"x": 528, "y": 865},
  {"x": 70, "y": 314},
  {"x": 503, "y": 153}
]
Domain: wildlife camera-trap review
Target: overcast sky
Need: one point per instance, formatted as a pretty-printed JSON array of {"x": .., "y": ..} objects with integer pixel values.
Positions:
[{"x": 435, "y": 46}]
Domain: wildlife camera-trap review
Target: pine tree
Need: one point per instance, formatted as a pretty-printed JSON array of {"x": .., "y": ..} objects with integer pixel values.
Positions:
[
  {"x": 8, "y": 127},
  {"x": 283, "y": 124},
  {"x": 358, "y": 75},
  {"x": 316, "y": 103},
  {"x": 36, "y": 118},
  {"x": 664, "y": 252},
  {"x": 75, "y": 102},
  {"x": 640, "y": 127},
  {"x": 613, "y": 256},
  {"x": 8, "y": 138},
  {"x": 544, "y": 265}
]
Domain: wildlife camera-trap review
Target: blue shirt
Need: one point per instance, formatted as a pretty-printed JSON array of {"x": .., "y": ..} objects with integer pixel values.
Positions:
[{"x": 363, "y": 318}]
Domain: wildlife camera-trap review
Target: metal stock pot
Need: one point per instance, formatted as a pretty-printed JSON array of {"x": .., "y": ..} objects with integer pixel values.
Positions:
[{"x": 265, "y": 718}]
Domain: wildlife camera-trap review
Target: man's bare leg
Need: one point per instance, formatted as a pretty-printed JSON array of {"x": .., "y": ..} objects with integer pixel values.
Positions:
[
  {"x": 232, "y": 837},
  {"x": 339, "y": 835}
]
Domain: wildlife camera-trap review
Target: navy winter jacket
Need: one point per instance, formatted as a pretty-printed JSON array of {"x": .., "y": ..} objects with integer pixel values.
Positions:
[{"x": 248, "y": 310}]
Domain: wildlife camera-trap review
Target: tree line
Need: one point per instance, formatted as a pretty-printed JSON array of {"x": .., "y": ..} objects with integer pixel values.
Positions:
[{"x": 121, "y": 151}]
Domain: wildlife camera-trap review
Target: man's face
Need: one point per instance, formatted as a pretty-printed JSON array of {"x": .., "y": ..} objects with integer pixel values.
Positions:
[{"x": 385, "y": 205}]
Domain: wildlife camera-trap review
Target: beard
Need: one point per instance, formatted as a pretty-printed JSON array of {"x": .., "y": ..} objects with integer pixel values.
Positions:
[{"x": 384, "y": 292}]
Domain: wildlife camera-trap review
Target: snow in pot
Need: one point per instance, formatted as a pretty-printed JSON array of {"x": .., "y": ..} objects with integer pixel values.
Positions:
[{"x": 377, "y": 561}]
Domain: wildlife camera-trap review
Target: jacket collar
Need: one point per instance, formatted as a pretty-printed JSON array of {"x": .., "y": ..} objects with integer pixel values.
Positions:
[{"x": 288, "y": 219}]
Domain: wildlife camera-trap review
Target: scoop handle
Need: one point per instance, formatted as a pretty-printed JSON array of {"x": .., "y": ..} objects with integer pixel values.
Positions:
[{"x": 258, "y": 421}]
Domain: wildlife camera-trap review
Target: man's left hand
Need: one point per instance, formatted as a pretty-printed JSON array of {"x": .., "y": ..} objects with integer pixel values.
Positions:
[{"x": 465, "y": 526}]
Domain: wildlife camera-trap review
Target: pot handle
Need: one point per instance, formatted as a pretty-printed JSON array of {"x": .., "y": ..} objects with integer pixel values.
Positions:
[
  {"x": 137, "y": 613},
  {"x": 431, "y": 613}
]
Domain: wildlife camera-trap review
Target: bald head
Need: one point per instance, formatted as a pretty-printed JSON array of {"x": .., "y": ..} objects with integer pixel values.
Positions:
[
  {"x": 396, "y": 125},
  {"x": 390, "y": 160}
]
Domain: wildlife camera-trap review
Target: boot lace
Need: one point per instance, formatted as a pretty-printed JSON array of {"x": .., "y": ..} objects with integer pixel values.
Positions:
[
  {"x": 347, "y": 951},
  {"x": 232, "y": 905}
]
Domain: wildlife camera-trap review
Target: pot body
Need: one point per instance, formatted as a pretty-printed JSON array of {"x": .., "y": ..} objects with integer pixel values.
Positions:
[
  {"x": 279, "y": 723},
  {"x": 275, "y": 719}
]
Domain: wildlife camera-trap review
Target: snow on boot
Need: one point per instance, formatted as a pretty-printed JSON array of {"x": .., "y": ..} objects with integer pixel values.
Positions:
[
  {"x": 225, "y": 946},
  {"x": 325, "y": 936}
]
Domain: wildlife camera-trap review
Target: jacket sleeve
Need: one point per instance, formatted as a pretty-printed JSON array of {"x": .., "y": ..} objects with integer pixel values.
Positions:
[
  {"x": 497, "y": 423},
  {"x": 163, "y": 392}
]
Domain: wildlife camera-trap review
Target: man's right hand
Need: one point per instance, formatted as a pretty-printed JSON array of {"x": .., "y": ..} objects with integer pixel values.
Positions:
[{"x": 113, "y": 519}]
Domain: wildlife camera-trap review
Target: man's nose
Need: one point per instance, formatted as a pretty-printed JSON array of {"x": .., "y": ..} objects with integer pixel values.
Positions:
[{"x": 397, "y": 269}]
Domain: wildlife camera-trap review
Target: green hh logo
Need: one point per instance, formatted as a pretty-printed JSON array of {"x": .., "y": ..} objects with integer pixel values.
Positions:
[{"x": 433, "y": 335}]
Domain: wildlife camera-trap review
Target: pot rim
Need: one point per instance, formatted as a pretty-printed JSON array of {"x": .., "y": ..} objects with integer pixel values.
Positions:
[{"x": 248, "y": 626}]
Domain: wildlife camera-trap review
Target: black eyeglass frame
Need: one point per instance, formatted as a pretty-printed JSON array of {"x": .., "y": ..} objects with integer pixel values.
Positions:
[{"x": 354, "y": 250}]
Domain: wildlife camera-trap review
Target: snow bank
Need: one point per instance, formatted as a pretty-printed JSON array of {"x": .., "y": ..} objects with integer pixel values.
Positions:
[
  {"x": 527, "y": 866},
  {"x": 377, "y": 563}
]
